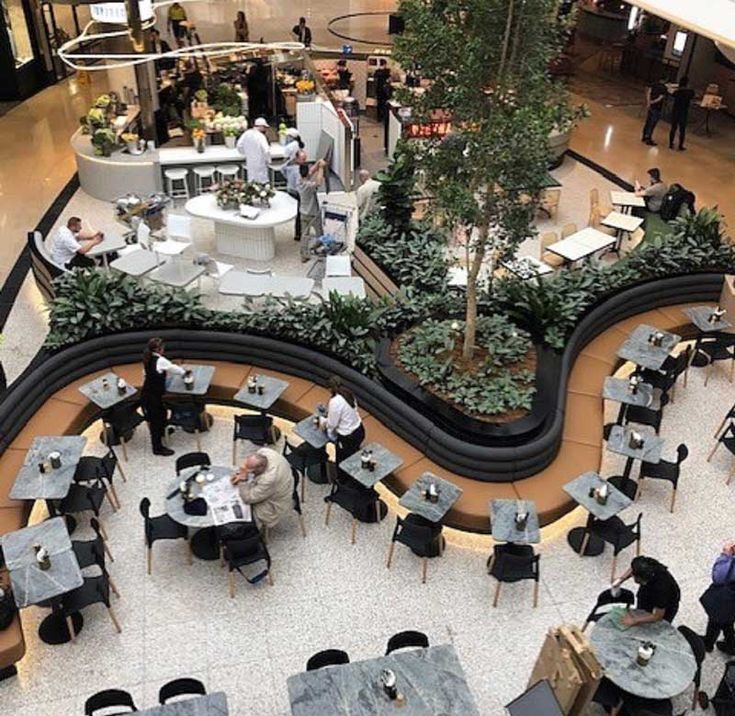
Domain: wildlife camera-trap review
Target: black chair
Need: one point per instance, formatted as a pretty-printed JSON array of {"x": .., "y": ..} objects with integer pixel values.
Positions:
[
  {"x": 181, "y": 687},
  {"x": 407, "y": 640},
  {"x": 714, "y": 349},
  {"x": 90, "y": 468},
  {"x": 92, "y": 552},
  {"x": 637, "y": 706},
  {"x": 95, "y": 590},
  {"x": 328, "y": 657},
  {"x": 606, "y": 598},
  {"x": 514, "y": 563},
  {"x": 609, "y": 696},
  {"x": 667, "y": 377},
  {"x": 120, "y": 422},
  {"x": 646, "y": 416},
  {"x": 729, "y": 416},
  {"x": 303, "y": 458},
  {"x": 664, "y": 470},
  {"x": 87, "y": 498},
  {"x": 189, "y": 416},
  {"x": 108, "y": 699},
  {"x": 255, "y": 428},
  {"x": 616, "y": 533},
  {"x": 158, "y": 528},
  {"x": 421, "y": 536},
  {"x": 192, "y": 459},
  {"x": 727, "y": 438},
  {"x": 358, "y": 501},
  {"x": 696, "y": 644},
  {"x": 238, "y": 553}
]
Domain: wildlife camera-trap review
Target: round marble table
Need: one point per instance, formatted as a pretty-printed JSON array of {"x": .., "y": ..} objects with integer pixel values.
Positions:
[
  {"x": 670, "y": 670},
  {"x": 247, "y": 238}
]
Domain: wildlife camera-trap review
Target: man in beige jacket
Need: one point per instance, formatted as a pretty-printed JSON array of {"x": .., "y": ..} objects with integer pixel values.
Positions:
[{"x": 266, "y": 483}]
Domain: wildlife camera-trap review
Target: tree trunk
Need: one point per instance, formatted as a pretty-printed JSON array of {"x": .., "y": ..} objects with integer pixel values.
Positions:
[{"x": 470, "y": 328}]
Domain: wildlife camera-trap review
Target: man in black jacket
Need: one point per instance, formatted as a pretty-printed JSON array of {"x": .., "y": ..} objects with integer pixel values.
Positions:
[
  {"x": 655, "y": 96},
  {"x": 302, "y": 32},
  {"x": 683, "y": 97}
]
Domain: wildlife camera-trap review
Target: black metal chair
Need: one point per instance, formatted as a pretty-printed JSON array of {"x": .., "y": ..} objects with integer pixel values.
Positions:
[
  {"x": 514, "y": 563},
  {"x": 158, "y": 528},
  {"x": 87, "y": 498},
  {"x": 328, "y": 657},
  {"x": 422, "y": 537},
  {"x": 730, "y": 415},
  {"x": 180, "y": 687},
  {"x": 606, "y": 598},
  {"x": 646, "y": 416},
  {"x": 609, "y": 696},
  {"x": 727, "y": 439},
  {"x": 696, "y": 644},
  {"x": 119, "y": 423},
  {"x": 407, "y": 640},
  {"x": 238, "y": 553},
  {"x": 255, "y": 428},
  {"x": 664, "y": 470},
  {"x": 667, "y": 377},
  {"x": 192, "y": 459},
  {"x": 716, "y": 348},
  {"x": 358, "y": 501},
  {"x": 637, "y": 706},
  {"x": 95, "y": 590},
  {"x": 303, "y": 458},
  {"x": 109, "y": 698},
  {"x": 189, "y": 416},
  {"x": 617, "y": 534},
  {"x": 90, "y": 468},
  {"x": 92, "y": 552}
]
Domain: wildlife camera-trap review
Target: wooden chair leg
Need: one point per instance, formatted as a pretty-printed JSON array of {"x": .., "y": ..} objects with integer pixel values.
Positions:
[
  {"x": 390, "y": 554},
  {"x": 707, "y": 372},
  {"x": 122, "y": 473},
  {"x": 124, "y": 449},
  {"x": 266, "y": 535},
  {"x": 354, "y": 530},
  {"x": 103, "y": 531},
  {"x": 303, "y": 526},
  {"x": 270, "y": 577},
  {"x": 719, "y": 430},
  {"x": 585, "y": 542},
  {"x": 732, "y": 369},
  {"x": 638, "y": 488},
  {"x": 424, "y": 567},
  {"x": 497, "y": 594},
  {"x": 231, "y": 582},
  {"x": 107, "y": 551},
  {"x": 150, "y": 560},
  {"x": 110, "y": 500},
  {"x": 70, "y": 627},
  {"x": 616, "y": 709},
  {"x": 114, "y": 620},
  {"x": 673, "y": 500},
  {"x": 113, "y": 587},
  {"x": 113, "y": 492},
  {"x": 234, "y": 452},
  {"x": 326, "y": 516},
  {"x": 612, "y": 570},
  {"x": 730, "y": 476},
  {"x": 535, "y": 594},
  {"x": 303, "y": 486},
  {"x": 714, "y": 449},
  {"x": 638, "y": 547},
  {"x": 221, "y": 557}
]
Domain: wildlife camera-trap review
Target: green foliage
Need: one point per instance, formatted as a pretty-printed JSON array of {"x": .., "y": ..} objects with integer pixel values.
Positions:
[
  {"x": 226, "y": 100},
  {"x": 396, "y": 194},
  {"x": 493, "y": 387}
]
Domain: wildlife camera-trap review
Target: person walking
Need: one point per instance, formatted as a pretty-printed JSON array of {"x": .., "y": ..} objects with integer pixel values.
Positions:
[
  {"x": 254, "y": 146},
  {"x": 718, "y": 601},
  {"x": 155, "y": 369},
  {"x": 683, "y": 97},
  {"x": 242, "y": 31},
  {"x": 176, "y": 16},
  {"x": 655, "y": 95}
]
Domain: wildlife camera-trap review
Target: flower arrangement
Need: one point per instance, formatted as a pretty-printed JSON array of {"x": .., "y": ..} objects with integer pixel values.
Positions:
[
  {"x": 129, "y": 137},
  {"x": 305, "y": 86},
  {"x": 228, "y": 125},
  {"x": 103, "y": 140},
  {"x": 103, "y": 101},
  {"x": 198, "y": 136},
  {"x": 234, "y": 192},
  {"x": 201, "y": 95}
]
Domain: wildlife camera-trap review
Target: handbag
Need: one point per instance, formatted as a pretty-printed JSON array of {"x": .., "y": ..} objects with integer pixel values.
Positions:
[{"x": 718, "y": 600}]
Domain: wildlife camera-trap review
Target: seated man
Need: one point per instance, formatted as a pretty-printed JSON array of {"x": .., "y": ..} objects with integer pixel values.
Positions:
[
  {"x": 658, "y": 594},
  {"x": 71, "y": 244},
  {"x": 654, "y": 193},
  {"x": 265, "y": 482}
]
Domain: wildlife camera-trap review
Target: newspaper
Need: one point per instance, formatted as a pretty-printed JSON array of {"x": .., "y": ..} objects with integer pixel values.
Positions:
[{"x": 225, "y": 503}]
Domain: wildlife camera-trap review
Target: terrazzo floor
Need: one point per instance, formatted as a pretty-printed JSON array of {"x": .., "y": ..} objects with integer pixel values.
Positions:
[{"x": 329, "y": 594}]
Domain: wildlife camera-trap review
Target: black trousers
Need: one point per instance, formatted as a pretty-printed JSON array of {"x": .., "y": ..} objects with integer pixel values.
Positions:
[
  {"x": 81, "y": 261},
  {"x": 155, "y": 413},
  {"x": 714, "y": 630},
  {"x": 654, "y": 114},
  {"x": 678, "y": 121},
  {"x": 347, "y": 445}
]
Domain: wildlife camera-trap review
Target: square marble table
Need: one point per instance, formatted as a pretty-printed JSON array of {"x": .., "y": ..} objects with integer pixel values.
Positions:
[
  {"x": 414, "y": 501},
  {"x": 136, "y": 263},
  {"x": 272, "y": 390},
  {"x": 385, "y": 463},
  {"x": 291, "y": 286},
  {"x": 109, "y": 245},
  {"x": 54, "y": 484},
  {"x": 619, "y": 442},
  {"x": 638, "y": 350},
  {"x": 344, "y": 285},
  {"x": 31, "y": 584},
  {"x": 503, "y": 521},
  {"x": 618, "y": 389},
  {"x": 626, "y": 200},
  {"x": 241, "y": 283},
  {"x": 431, "y": 681},
  {"x": 178, "y": 274},
  {"x": 581, "y": 244},
  {"x": 109, "y": 396},
  {"x": 621, "y": 222},
  {"x": 203, "y": 375},
  {"x": 700, "y": 315},
  {"x": 315, "y": 436},
  {"x": 214, "y": 704}
]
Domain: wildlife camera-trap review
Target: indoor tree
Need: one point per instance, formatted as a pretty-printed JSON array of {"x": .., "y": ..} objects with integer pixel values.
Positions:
[{"x": 486, "y": 64}]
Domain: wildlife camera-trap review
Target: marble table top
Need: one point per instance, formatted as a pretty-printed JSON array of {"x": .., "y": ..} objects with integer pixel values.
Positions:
[
  {"x": 214, "y": 704},
  {"x": 385, "y": 463},
  {"x": 31, "y": 584},
  {"x": 650, "y": 451},
  {"x": 106, "y": 397},
  {"x": 503, "y": 521},
  {"x": 178, "y": 274},
  {"x": 414, "y": 501},
  {"x": 699, "y": 316},
  {"x": 638, "y": 350},
  {"x": 579, "y": 490},
  {"x": 316, "y": 437},
  {"x": 108, "y": 245},
  {"x": 175, "y": 504},
  {"x": 31, "y": 484},
  {"x": 669, "y": 672},
  {"x": 272, "y": 390},
  {"x": 203, "y": 375},
  {"x": 431, "y": 680},
  {"x": 526, "y": 267},
  {"x": 136, "y": 263},
  {"x": 623, "y": 222},
  {"x": 618, "y": 389},
  {"x": 626, "y": 198}
]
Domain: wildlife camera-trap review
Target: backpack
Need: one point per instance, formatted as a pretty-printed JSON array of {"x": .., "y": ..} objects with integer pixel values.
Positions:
[{"x": 676, "y": 197}]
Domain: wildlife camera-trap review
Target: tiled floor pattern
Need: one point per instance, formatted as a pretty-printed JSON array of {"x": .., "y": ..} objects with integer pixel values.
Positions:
[{"x": 327, "y": 593}]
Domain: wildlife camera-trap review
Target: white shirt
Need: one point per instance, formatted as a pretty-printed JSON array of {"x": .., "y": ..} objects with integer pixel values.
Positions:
[
  {"x": 367, "y": 198},
  {"x": 342, "y": 418},
  {"x": 290, "y": 151},
  {"x": 65, "y": 246},
  {"x": 164, "y": 365},
  {"x": 257, "y": 152}
]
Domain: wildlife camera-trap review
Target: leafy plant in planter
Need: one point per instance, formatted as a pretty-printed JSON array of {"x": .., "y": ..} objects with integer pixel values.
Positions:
[
  {"x": 396, "y": 193},
  {"x": 103, "y": 141}
]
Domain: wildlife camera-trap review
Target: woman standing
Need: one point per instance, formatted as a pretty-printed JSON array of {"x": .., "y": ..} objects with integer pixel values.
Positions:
[
  {"x": 242, "y": 31},
  {"x": 344, "y": 424},
  {"x": 293, "y": 152},
  {"x": 155, "y": 368},
  {"x": 719, "y": 602}
]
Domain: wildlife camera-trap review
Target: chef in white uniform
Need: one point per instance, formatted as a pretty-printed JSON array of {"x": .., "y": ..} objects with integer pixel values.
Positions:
[
  {"x": 290, "y": 167},
  {"x": 254, "y": 146}
]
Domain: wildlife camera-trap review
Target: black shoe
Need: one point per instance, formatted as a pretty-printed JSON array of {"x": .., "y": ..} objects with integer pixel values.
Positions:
[
  {"x": 650, "y": 143},
  {"x": 726, "y": 648},
  {"x": 671, "y": 146},
  {"x": 682, "y": 149},
  {"x": 164, "y": 451}
]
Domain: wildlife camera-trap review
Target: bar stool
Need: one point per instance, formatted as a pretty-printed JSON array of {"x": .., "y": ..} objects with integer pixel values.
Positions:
[
  {"x": 203, "y": 179},
  {"x": 174, "y": 177},
  {"x": 227, "y": 171}
]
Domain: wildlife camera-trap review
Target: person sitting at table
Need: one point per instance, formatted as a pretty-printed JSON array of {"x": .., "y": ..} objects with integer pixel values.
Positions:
[
  {"x": 71, "y": 244},
  {"x": 658, "y": 594},
  {"x": 654, "y": 193},
  {"x": 719, "y": 602},
  {"x": 265, "y": 482},
  {"x": 343, "y": 423}
]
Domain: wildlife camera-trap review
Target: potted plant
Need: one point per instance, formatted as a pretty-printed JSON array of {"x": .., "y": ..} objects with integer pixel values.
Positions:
[
  {"x": 198, "y": 137},
  {"x": 103, "y": 140},
  {"x": 565, "y": 120},
  {"x": 231, "y": 134},
  {"x": 305, "y": 90},
  {"x": 199, "y": 105},
  {"x": 130, "y": 139}
]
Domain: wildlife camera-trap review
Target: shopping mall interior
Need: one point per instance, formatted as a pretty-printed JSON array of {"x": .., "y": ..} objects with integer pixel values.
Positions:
[{"x": 367, "y": 356}]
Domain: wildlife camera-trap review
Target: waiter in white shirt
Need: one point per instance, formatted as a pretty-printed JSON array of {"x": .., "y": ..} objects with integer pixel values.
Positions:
[
  {"x": 256, "y": 150},
  {"x": 343, "y": 424},
  {"x": 155, "y": 368},
  {"x": 71, "y": 244}
]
